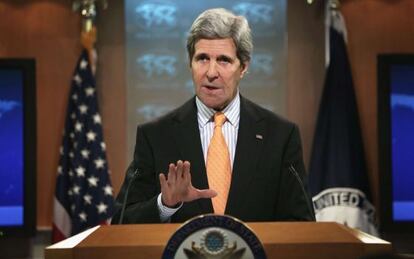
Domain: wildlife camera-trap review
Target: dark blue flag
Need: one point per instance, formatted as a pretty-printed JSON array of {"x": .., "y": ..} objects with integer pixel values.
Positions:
[
  {"x": 84, "y": 195},
  {"x": 337, "y": 176}
]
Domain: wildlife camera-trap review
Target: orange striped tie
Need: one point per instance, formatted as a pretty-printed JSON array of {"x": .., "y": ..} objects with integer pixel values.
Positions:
[{"x": 218, "y": 165}]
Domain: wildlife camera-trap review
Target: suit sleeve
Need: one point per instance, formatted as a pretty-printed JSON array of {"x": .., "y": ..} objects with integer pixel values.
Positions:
[
  {"x": 141, "y": 203},
  {"x": 293, "y": 205}
]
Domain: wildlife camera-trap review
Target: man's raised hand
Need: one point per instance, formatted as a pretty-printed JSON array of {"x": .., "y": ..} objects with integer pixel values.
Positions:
[{"x": 177, "y": 186}]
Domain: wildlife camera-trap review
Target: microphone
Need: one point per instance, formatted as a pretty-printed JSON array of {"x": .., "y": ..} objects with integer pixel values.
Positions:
[
  {"x": 292, "y": 169},
  {"x": 134, "y": 175}
]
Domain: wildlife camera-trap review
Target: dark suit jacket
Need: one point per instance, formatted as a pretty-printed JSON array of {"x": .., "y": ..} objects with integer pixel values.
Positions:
[{"x": 262, "y": 189}]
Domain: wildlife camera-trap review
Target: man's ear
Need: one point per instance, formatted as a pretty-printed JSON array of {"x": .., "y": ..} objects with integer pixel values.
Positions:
[{"x": 244, "y": 68}]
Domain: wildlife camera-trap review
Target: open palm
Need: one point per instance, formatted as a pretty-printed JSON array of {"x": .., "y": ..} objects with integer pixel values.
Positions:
[{"x": 177, "y": 186}]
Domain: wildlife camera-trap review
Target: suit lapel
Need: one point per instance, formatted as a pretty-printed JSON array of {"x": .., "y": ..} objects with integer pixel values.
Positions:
[
  {"x": 187, "y": 139},
  {"x": 248, "y": 150}
]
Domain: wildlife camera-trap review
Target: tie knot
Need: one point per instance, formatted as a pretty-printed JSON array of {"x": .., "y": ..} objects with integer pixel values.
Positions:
[{"x": 219, "y": 119}]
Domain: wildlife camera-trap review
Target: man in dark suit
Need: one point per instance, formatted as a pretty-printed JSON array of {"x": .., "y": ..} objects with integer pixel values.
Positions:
[{"x": 220, "y": 140}]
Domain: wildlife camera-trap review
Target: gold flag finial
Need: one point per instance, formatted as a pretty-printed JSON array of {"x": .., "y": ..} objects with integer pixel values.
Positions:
[
  {"x": 88, "y": 10},
  {"x": 334, "y": 4}
]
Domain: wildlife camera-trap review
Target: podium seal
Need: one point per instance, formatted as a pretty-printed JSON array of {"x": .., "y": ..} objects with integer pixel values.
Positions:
[{"x": 212, "y": 237}]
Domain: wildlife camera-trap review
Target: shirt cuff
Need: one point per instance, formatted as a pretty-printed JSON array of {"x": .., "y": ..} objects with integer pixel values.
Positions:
[{"x": 166, "y": 212}]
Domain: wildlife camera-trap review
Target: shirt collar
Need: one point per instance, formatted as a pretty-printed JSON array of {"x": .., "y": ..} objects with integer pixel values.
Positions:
[{"x": 232, "y": 111}]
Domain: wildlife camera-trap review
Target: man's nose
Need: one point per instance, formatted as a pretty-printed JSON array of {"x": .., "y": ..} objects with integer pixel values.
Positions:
[{"x": 212, "y": 72}]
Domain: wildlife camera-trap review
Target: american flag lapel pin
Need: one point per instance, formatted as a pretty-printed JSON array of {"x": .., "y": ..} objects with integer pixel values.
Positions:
[{"x": 258, "y": 136}]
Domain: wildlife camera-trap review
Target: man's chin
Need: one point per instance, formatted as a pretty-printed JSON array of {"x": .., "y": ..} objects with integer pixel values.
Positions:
[{"x": 213, "y": 104}]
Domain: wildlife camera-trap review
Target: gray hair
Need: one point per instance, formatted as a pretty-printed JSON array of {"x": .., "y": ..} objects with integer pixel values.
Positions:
[{"x": 220, "y": 23}]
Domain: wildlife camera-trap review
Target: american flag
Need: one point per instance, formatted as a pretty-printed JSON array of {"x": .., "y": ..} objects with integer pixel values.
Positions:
[{"x": 84, "y": 195}]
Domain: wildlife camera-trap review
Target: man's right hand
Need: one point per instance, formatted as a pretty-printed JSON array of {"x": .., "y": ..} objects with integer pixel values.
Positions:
[{"x": 177, "y": 187}]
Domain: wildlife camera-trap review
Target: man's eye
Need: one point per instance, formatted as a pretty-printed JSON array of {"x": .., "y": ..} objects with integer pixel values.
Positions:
[
  {"x": 224, "y": 60},
  {"x": 202, "y": 58}
]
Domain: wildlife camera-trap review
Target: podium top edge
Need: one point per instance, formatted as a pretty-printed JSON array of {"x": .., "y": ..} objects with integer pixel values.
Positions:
[{"x": 73, "y": 241}]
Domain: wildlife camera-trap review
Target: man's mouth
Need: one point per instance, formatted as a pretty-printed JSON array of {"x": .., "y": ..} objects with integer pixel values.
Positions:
[{"x": 211, "y": 87}]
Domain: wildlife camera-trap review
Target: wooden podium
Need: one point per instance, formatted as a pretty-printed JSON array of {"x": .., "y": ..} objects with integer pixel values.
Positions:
[{"x": 280, "y": 240}]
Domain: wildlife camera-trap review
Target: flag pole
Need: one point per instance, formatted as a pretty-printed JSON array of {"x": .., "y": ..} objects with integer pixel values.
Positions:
[{"x": 88, "y": 10}]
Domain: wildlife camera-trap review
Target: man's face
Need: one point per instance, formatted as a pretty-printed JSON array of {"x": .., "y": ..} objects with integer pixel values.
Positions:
[{"x": 216, "y": 72}]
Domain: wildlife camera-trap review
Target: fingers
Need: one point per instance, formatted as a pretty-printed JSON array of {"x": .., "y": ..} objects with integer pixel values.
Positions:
[
  {"x": 163, "y": 182},
  {"x": 179, "y": 170},
  {"x": 165, "y": 191},
  {"x": 177, "y": 186},
  {"x": 175, "y": 172},
  {"x": 186, "y": 172},
  {"x": 172, "y": 174},
  {"x": 207, "y": 193},
  {"x": 174, "y": 189}
]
